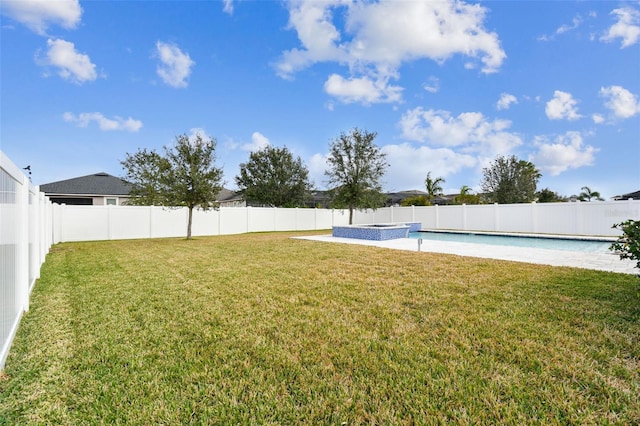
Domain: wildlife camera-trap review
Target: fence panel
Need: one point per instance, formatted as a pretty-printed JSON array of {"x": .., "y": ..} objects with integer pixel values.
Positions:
[
  {"x": 167, "y": 223},
  {"x": 24, "y": 243},
  {"x": 204, "y": 222},
  {"x": 233, "y": 220},
  {"x": 403, "y": 214},
  {"x": 11, "y": 304}
]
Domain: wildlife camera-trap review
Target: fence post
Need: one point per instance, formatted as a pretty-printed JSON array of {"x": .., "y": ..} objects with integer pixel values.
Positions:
[
  {"x": 534, "y": 217},
  {"x": 579, "y": 218},
  {"x": 22, "y": 243},
  {"x": 496, "y": 216},
  {"x": 464, "y": 217}
]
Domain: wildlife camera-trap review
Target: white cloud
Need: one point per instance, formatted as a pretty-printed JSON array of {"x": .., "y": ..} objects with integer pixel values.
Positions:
[
  {"x": 116, "y": 123},
  {"x": 575, "y": 23},
  {"x": 432, "y": 85},
  {"x": 408, "y": 165},
  {"x": 470, "y": 131},
  {"x": 566, "y": 152},
  {"x": 505, "y": 101},
  {"x": 627, "y": 28},
  {"x": 621, "y": 102},
  {"x": 363, "y": 90},
  {"x": 378, "y": 37},
  {"x": 562, "y": 106},
  {"x": 39, "y": 14},
  {"x": 72, "y": 65},
  {"x": 227, "y": 6},
  {"x": 597, "y": 118},
  {"x": 175, "y": 66},
  {"x": 317, "y": 165},
  {"x": 258, "y": 141}
]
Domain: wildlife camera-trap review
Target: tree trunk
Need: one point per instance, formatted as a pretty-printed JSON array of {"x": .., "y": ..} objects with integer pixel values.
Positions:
[
  {"x": 189, "y": 223},
  {"x": 350, "y": 215}
]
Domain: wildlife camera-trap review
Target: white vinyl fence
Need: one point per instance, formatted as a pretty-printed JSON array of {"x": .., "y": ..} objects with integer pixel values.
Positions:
[
  {"x": 25, "y": 239},
  {"x": 87, "y": 223},
  {"x": 579, "y": 218}
]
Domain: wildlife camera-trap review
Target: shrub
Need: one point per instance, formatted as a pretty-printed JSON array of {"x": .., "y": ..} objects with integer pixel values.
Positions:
[
  {"x": 628, "y": 244},
  {"x": 418, "y": 200}
]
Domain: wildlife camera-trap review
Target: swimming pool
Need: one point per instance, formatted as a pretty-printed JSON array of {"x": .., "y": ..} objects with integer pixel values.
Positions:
[{"x": 541, "y": 242}]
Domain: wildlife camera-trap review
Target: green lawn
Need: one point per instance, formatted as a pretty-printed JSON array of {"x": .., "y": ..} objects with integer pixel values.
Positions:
[{"x": 264, "y": 329}]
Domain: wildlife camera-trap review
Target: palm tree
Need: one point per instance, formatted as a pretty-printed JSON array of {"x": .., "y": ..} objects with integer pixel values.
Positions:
[
  {"x": 465, "y": 190},
  {"x": 434, "y": 186},
  {"x": 587, "y": 194}
]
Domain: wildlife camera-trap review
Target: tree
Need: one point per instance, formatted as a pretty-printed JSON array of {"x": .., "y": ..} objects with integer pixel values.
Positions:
[
  {"x": 548, "y": 196},
  {"x": 355, "y": 168},
  {"x": 272, "y": 176},
  {"x": 417, "y": 200},
  {"x": 587, "y": 194},
  {"x": 509, "y": 180},
  {"x": 434, "y": 186},
  {"x": 627, "y": 246},
  {"x": 466, "y": 197},
  {"x": 184, "y": 176}
]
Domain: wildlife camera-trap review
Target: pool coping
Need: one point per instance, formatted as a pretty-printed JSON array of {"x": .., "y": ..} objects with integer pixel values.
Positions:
[
  {"x": 601, "y": 238},
  {"x": 609, "y": 262}
]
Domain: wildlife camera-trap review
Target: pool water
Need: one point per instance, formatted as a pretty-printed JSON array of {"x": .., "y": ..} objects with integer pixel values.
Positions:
[{"x": 589, "y": 246}]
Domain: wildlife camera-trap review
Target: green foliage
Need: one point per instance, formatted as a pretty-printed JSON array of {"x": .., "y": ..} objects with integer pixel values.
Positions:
[
  {"x": 417, "y": 200},
  {"x": 548, "y": 196},
  {"x": 273, "y": 177},
  {"x": 185, "y": 176},
  {"x": 433, "y": 185},
  {"x": 627, "y": 246},
  {"x": 146, "y": 170},
  {"x": 356, "y": 165},
  {"x": 587, "y": 195},
  {"x": 467, "y": 199},
  {"x": 510, "y": 180}
]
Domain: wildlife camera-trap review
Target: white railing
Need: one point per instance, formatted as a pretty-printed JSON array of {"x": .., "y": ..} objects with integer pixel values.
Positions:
[{"x": 25, "y": 239}]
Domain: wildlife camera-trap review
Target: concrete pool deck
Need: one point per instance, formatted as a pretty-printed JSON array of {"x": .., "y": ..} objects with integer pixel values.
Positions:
[{"x": 599, "y": 261}]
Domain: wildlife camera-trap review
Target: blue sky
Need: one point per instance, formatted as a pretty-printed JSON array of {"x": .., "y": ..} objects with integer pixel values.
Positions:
[{"x": 446, "y": 85}]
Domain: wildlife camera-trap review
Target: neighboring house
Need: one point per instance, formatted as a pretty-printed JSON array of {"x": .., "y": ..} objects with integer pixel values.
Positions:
[
  {"x": 395, "y": 198},
  {"x": 103, "y": 189},
  {"x": 92, "y": 190},
  {"x": 228, "y": 198},
  {"x": 632, "y": 195}
]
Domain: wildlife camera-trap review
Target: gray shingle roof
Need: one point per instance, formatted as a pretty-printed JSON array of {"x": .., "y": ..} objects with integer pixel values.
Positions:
[{"x": 96, "y": 184}]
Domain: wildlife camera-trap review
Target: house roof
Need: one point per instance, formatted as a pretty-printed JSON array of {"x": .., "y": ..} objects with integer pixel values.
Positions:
[
  {"x": 228, "y": 196},
  {"x": 96, "y": 184},
  {"x": 633, "y": 195}
]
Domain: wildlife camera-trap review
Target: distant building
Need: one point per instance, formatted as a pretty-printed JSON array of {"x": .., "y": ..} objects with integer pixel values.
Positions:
[
  {"x": 103, "y": 189},
  {"x": 92, "y": 190},
  {"x": 632, "y": 195},
  {"x": 228, "y": 198}
]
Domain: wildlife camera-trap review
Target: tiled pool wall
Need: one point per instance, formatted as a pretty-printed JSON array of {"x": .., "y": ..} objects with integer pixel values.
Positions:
[{"x": 381, "y": 232}]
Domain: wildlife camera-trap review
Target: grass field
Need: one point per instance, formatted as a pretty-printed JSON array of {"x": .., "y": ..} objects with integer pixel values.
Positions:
[{"x": 264, "y": 329}]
